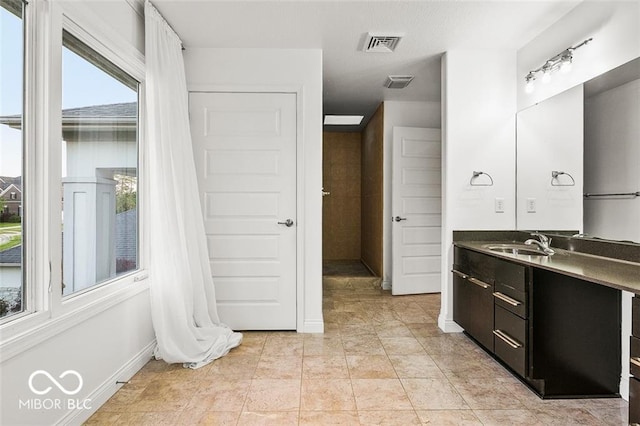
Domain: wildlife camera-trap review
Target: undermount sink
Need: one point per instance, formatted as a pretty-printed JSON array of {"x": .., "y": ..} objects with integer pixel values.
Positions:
[{"x": 520, "y": 249}]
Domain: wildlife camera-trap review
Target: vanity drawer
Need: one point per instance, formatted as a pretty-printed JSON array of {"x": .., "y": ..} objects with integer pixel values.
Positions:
[
  {"x": 512, "y": 275},
  {"x": 634, "y": 356},
  {"x": 634, "y": 401},
  {"x": 475, "y": 264},
  {"x": 509, "y": 340},
  {"x": 511, "y": 299},
  {"x": 635, "y": 316}
]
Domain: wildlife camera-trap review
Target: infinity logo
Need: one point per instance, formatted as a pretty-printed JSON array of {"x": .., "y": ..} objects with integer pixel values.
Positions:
[{"x": 55, "y": 382}]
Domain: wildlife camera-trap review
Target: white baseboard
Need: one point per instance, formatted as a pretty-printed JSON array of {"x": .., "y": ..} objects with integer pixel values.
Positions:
[
  {"x": 109, "y": 387},
  {"x": 624, "y": 388},
  {"x": 448, "y": 325},
  {"x": 313, "y": 326},
  {"x": 386, "y": 285}
]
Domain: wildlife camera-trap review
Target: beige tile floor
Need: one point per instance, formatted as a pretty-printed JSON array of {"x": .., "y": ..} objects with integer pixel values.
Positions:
[{"x": 381, "y": 361}]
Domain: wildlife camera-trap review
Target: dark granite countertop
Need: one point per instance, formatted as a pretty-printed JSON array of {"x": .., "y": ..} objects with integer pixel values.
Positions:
[{"x": 619, "y": 274}]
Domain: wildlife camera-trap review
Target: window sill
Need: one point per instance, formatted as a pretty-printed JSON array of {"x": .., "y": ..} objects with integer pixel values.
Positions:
[{"x": 32, "y": 329}]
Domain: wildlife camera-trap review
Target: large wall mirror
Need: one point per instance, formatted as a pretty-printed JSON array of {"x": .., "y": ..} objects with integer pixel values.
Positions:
[{"x": 578, "y": 158}]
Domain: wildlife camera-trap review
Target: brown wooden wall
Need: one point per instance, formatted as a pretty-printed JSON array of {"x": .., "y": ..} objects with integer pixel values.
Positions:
[
  {"x": 372, "y": 192},
  {"x": 341, "y": 209}
]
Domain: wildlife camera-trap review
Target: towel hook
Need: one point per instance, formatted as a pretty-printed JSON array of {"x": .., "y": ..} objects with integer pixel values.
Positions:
[
  {"x": 556, "y": 174},
  {"x": 476, "y": 174}
]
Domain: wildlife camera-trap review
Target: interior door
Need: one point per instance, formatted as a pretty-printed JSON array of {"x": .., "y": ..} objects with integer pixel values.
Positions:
[
  {"x": 417, "y": 211},
  {"x": 245, "y": 155}
]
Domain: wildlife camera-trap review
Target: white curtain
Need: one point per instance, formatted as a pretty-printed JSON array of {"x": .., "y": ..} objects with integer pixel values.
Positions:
[{"x": 183, "y": 303}]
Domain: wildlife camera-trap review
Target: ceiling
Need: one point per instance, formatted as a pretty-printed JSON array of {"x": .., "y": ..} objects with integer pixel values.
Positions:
[{"x": 353, "y": 80}]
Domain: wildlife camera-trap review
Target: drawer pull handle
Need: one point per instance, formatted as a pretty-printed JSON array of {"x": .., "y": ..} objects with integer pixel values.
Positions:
[
  {"x": 471, "y": 279},
  {"x": 505, "y": 298},
  {"x": 508, "y": 340},
  {"x": 635, "y": 361},
  {"x": 460, "y": 274},
  {"x": 478, "y": 282}
]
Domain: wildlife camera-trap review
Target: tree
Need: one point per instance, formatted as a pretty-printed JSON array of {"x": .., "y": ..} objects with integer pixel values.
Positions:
[
  {"x": 4, "y": 307},
  {"x": 126, "y": 192}
]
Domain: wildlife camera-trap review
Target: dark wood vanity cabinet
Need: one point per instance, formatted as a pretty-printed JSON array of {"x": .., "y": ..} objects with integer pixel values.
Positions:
[
  {"x": 561, "y": 335},
  {"x": 574, "y": 337},
  {"x": 473, "y": 295},
  {"x": 634, "y": 364}
]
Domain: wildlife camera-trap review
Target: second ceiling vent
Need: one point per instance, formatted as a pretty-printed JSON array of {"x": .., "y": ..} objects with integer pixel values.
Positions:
[
  {"x": 377, "y": 43},
  {"x": 398, "y": 81}
]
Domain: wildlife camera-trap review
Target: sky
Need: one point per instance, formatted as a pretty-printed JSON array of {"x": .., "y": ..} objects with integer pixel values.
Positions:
[{"x": 83, "y": 85}]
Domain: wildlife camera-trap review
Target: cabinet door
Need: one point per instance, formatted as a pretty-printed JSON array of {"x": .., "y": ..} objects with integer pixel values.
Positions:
[
  {"x": 575, "y": 335},
  {"x": 473, "y": 308}
]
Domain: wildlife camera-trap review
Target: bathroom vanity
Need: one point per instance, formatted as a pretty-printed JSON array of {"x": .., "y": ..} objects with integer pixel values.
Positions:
[{"x": 553, "y": 320}]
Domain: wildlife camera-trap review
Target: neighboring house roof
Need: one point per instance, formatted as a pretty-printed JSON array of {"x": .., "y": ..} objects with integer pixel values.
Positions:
[
  {"x": 122, "y": 114},
  {"x": 9, "y": 189},
  {"x": 129, "y": 109},
  {"x": 12, "y": 256},
  {"x": 6, "y": 180}
]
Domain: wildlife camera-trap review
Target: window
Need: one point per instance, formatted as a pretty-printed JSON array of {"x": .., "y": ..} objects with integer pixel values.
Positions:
[
  {"x": 69, "y": 204},
  {"x": 99, "y": 168},
  {"x": 11, "y": 149}
]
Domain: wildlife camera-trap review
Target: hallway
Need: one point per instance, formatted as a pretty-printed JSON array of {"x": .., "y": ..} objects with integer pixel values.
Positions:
[{"x": 382, "y": 360}]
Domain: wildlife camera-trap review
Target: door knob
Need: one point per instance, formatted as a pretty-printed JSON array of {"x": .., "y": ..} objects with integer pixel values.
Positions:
[
  {"x": 288, "y": 223},
  {"x": 398, "y": 218}
]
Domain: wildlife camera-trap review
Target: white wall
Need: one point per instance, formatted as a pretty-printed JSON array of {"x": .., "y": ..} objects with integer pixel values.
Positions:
[
  {"x": 84, "y": 158},
  {"x": 550, "y": 138},
  {"x": 108, "y": 347},
  {"x": 403, "y": 114},
  {"x": 278, "y": 70},
  {"x": 122, "y": 17},
  {"x": 478, "y": 123},
  {"x": 104, "y": 340},
  {"x": 615, "y": 28},
  {"x": 612, "y": 157}
]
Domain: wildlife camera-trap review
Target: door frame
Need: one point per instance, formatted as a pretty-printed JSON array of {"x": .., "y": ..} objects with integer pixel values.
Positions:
[{"x": 302, "y": 326}]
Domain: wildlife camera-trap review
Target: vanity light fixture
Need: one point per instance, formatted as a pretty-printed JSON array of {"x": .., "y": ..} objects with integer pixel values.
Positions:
[{"x": 562, "y": 61}]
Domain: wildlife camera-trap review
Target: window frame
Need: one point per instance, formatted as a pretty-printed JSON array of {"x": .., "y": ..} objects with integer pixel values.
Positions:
[
  {"x": 46, "y": 313},
  {"x": 96, "y": 46},
  {"x": 27, "y": 18}
]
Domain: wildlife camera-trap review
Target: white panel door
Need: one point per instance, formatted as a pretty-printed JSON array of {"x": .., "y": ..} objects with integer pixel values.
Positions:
[
  {"x": 416, "y": 206},
  {"x": 245, "y": 154}
]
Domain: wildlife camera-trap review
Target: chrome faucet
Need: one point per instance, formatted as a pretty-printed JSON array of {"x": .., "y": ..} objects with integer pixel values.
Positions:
[{"x": 543, "y": 244}]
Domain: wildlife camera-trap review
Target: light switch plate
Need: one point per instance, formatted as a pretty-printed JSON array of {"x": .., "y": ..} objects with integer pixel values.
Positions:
[
  {"x": 499, "y": 205},
  {"x": 531, "y": 205}
]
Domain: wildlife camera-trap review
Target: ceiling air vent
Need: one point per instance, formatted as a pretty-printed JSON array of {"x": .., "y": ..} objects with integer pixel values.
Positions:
[
  {"x": 398, "y": 81},
  {"x": 381, "y": 43}
]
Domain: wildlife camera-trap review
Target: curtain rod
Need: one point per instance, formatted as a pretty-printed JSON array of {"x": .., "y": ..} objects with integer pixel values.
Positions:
[{"x": 168, "y": 24}]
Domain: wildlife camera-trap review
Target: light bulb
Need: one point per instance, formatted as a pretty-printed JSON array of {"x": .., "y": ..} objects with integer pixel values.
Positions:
[
  {"x": 529, "y": 86},
  {"x": 566, "y": 66}
]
